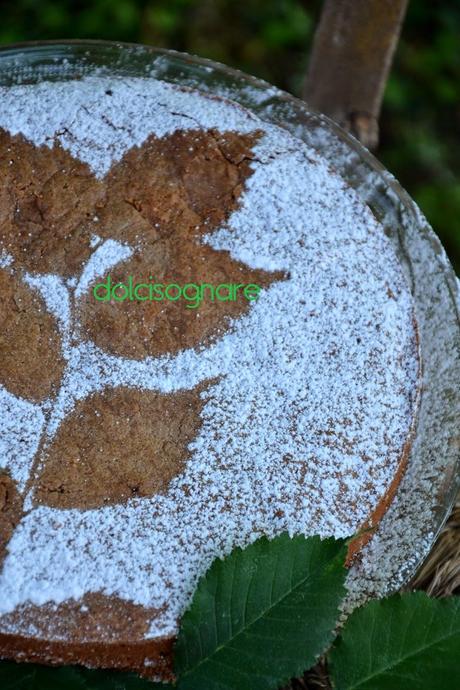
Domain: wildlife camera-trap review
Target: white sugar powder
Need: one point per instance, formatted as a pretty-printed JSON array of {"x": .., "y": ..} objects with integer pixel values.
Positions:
[
  {"x": 106, "y": 255},
  {"x": 20, "y": 430},
  {"x": 5, "y": 259},
  {"x": 321, "y": 372},
  {"x": 54, "y": 292}
]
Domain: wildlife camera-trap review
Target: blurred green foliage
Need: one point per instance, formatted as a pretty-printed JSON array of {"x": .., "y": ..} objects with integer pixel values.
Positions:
[{"x": 420, "y": 123}]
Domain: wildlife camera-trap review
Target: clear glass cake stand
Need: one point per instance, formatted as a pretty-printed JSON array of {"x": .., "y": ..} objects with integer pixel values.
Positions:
[{"x": 431, "y": 483}]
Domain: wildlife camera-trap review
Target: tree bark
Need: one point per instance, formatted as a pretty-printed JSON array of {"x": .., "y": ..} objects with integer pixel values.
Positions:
[{"x": 352, "y": 53}]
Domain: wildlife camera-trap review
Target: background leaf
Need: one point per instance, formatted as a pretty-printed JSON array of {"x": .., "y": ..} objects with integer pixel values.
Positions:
[
  {"x": 15, "y": 676},
  {"x": 408, "y": 642},
  {"x": 262, "y": 615}
]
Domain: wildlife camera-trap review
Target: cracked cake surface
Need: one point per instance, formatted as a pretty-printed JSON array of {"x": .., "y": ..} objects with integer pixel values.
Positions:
[{"x": 140, "y": 440}]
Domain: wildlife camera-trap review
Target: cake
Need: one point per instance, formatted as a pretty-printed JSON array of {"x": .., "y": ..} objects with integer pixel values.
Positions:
[{"x": 141, "y": 438}]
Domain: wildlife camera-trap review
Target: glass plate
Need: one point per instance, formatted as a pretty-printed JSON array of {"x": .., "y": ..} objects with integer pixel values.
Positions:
[{"x": 430, "y": 485}]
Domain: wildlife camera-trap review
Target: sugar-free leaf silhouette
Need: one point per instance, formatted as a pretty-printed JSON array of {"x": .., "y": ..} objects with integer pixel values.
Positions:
[
  {"x": 116, "y": 445},
  {"x": 406, "y": 642},
  {"x": 47, "y": 206},
  {"x": 161, "y": 198},
  {"x": 262, "y": 615},
  {"x": 154, "y": 205},
  {"x": 183, "y": 186},
  {"x": 30, "y": 344}
]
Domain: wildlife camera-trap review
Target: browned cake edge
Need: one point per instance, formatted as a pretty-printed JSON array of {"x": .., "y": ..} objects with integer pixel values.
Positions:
[{"x": 149, "y": 658}]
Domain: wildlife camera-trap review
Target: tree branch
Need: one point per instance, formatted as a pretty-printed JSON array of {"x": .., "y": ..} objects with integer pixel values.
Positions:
[{"x": 352, "y": 53}]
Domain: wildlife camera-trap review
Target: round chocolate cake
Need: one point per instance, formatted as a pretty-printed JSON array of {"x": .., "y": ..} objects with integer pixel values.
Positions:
[{"x": 205, "y": 337}]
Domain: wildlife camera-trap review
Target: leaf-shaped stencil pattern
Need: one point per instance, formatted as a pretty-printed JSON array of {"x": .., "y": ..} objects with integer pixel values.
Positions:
[
  {"x": 48, "y": 202},
  {"x": 161, "y": 198},
  {"x": 408, "y": 642},
  {"x": 118, "y": 444},
  {"x": 30, "y": 354},
  {"x": 182, "y": 186},
  {"x": 262, "y": 615},
  {"x": 10, "y": 510}
]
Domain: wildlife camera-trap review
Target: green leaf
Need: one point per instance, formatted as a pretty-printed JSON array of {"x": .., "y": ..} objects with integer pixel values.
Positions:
[
  {"x": 15, "y": 676},
  {"x": 262, "y": 615},
  {"x": 408, "y": 642}
]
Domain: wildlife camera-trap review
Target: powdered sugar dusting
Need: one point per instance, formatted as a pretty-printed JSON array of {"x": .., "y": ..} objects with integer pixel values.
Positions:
[
  {"x": 5, "y": 259},
  {"x": 107, "y": 255},
  {"x": 20, "y": 430},
  {"x": 406, "y": 533},
  {"x": 315, "y": 386},
  {"x": 53, "y": 290},
  {"x": 104, "y": 118}
]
